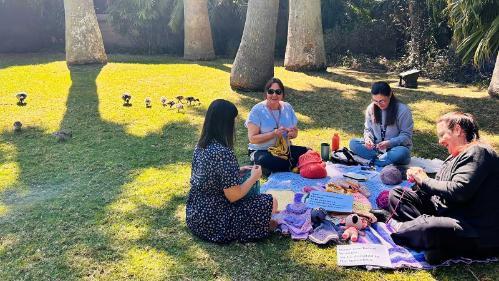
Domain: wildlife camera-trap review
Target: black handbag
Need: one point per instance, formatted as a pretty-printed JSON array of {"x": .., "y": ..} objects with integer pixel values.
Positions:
[{"x": 344, "y": 156}]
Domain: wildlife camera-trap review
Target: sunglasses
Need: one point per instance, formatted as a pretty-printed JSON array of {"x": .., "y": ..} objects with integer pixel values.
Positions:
[{"x": 272, "y": 91}]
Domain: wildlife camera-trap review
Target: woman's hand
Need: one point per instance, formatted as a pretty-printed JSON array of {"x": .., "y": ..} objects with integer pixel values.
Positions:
[
  {"x": 280, "y": 131},
  {"x": 369, "y": 144},
  {"x": 237, "y": 192},
  {"x": 292, "y": 132},
  {"x": 245, "y": 168},
  {"x": 256, "y": 137},
  {"x": 416, "y": 174},
  {"x": 256, "y": 172},
  {"x": 384, "y": 145}
]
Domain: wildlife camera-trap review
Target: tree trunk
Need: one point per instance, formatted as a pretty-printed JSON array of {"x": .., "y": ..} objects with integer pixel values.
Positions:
[
  {"x": 84, "y": 43},
  {"x": 494, "y": 82},
  {"x": 305, "y": 48},
  {"x": 198, "y": 43},
  {"x": 254, "y": 62},
  {"x": 418, "y": 13}
]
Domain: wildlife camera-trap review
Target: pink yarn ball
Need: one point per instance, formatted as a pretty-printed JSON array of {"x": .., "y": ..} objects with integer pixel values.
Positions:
[{"x": 382, "y": 200}]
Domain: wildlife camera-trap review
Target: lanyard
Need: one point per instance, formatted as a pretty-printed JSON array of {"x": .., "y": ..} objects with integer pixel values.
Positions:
[
  {"x": 273, "y": 116},
  {"x": 383, "y": 132}
]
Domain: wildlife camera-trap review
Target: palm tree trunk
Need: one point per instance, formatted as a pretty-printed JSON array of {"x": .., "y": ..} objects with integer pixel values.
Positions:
[
  {"x": 305, "y": 48},
  {"x": 254, "y": 62},
  {"x": 418, "y": 13},
  {"x": 198, "y": 43},
  {"x": 84, "y": 43},
  {"x": 494, "y": 82}
]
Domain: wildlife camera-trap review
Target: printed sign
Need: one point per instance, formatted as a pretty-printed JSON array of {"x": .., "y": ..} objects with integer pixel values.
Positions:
[{"x": 329, "y": 201}]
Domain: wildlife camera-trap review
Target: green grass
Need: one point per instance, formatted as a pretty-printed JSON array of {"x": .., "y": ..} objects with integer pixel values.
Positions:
[{"x": 110, "y": 203}]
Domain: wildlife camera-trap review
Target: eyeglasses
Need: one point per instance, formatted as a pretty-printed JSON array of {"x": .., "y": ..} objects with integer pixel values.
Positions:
[
  {"x": 276, "y": 91},
  {"x": 379, "y": 101}
]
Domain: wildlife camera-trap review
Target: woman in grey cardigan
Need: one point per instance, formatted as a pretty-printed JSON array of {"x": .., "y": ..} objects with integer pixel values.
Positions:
[{"x": 387, "y": 129}]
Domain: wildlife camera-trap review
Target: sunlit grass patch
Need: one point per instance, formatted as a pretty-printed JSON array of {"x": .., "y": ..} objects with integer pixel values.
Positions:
[
  {"x": 132, "y": 213},
  {"x": 155, "y": 81},
  {"x": 47, "y": 87},
  {"x": 426, "y": 113},
  {"x": 9, "y": 168}
]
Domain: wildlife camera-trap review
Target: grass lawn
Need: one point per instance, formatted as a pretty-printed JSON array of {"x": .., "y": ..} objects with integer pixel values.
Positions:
[{"x": 110, "y": 203}]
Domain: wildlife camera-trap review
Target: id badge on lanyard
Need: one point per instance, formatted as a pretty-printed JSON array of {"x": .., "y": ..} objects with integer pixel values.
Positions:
[{"x": 383, "y": 135}]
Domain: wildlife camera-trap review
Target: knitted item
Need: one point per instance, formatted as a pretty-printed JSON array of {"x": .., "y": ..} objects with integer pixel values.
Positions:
[
  {"x": 324, "y": 233},
  {"x": 382, "y": 200},
  {"x": 295, "y": 220},
  {"x": 362, "y": 206},
  {"x": 297, "y": 208},
  {"x": 280, "y": 149},
  {"x": 299, "y": 197},
  {"x": 318, "y": 216},
  {"x": 390, "y": 175},
  {"x": 311, "y": 165}
]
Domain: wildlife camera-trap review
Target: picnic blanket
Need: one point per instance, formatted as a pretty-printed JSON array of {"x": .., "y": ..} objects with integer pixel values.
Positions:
[
  {"x": 295, "y": 182},
  {"x": 378, "y": 233},
  {"x": 401, "y": 257}
]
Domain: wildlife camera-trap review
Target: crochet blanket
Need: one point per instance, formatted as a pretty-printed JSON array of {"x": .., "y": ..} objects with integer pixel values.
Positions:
[
  {"x": 378, "y": 233},
  {"x": 295, "y": 182}
]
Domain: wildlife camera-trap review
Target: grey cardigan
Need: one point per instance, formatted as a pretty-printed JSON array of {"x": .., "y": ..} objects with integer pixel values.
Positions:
[{"x": 398, "y": 134}]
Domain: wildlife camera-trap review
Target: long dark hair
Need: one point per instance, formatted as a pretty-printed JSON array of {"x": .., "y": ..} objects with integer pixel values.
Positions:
[
  {"x": 382, "y": 88},
  {"x": 219, "y": 124},
  {"x": 466, "y": 121},
  {"x": 269, "y": 84}
]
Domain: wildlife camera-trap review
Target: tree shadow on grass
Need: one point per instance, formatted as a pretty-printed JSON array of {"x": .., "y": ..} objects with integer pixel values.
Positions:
[
  {"x": 57, "y": 209},
  {"x": 8, "y": 60}
]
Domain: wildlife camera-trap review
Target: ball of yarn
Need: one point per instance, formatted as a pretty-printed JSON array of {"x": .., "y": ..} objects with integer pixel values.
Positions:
[
  {"x": 382, "y": 199},
  {"x": 390, "y": 175}
]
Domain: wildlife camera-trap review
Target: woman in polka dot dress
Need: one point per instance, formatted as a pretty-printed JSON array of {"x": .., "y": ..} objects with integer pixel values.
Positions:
[{"x": 218, "y": 209}]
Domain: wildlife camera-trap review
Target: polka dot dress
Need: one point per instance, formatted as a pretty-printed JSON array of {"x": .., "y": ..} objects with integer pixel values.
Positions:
[{"x": 210, "y": 215}]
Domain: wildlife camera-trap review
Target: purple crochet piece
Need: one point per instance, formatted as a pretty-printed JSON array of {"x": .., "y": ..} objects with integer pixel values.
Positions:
[
  {"x": 382, "y": 200},
  {"x": 297, "y": 208},
  {"x": 318, "y": 215},
  {"x": 295, "y": 221},
  {"x": 299, "y": 197},
  {"x": 390, "y": 175},
  {"x": 323, "y": 234}
]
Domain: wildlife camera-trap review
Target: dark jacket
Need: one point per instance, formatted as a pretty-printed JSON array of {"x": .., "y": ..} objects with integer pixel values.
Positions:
[{"x": 468, "y": 187}]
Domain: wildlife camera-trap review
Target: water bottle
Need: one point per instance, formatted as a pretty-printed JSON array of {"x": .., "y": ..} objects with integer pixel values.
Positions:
[{"x": 335, "y": 142}]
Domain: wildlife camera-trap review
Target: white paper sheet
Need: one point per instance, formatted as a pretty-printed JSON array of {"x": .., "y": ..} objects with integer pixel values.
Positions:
[{"x": 363, "y": 254}]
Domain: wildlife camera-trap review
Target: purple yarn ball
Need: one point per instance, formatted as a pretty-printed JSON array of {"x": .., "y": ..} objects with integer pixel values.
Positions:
[
  {"x": 382, "y": 199},
  {"x": 390, "y": 175}
]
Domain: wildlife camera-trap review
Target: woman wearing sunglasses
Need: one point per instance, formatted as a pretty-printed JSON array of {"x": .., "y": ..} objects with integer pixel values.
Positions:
[
  {"x": 387, "y": 129},
  {"x": 268, "y": 120}
]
